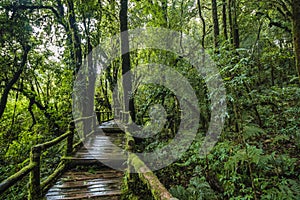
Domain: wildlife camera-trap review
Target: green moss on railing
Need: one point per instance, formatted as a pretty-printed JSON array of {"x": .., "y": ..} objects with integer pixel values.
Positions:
[
  {"x": 144, "y": 174},
  {"x": 13, "y": 179},
  {"x": 157, "y": 189}
]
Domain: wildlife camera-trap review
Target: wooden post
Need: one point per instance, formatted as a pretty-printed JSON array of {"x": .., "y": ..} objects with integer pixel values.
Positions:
[
  {"x": 98, "y": 116},
  {"x": 94, "y": 122},
  {"x": 70, "y": 139},
  {"x": 127, "y": 118},
  {"x": 117, "y": 115},
  {"x": 107, "y": 116},
  {"x": 34, "y": 178},
  {"x": 121, "y": 115},
  {"x": 101, "y": 117}
]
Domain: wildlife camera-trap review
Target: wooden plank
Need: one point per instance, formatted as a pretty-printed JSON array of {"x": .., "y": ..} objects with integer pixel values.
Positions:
[
  {"x": 97, "y": 195},
  {"x": 94, "y": 182},
  {"x": 103, "y": 183}
]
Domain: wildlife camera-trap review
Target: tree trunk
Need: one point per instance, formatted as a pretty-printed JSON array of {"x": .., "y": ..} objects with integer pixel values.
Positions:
[
  {"x": 236, "y": 35},
  {"x": 230, "y": 20},
  {"x": 75, "y": 36},
  {"x": 215, "y": 22},
  {"x": 296, "y": 33},
  {"x": 127, "y": 80},
  {"x": 8, "y": 87},
  {"x": 224, "y": 18},
  {"x": 165, "y": 12},
  {"x": 91, "y": 81},
  {"x": 234, "y": 29},
  {"x": 234, "y": 23},
  {"x": 203, "y": 24}
]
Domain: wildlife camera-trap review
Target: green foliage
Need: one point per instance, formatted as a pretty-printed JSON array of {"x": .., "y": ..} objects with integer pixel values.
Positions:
[
  {"x": 21, "y": 147},
  {"x": 197, "y": 189},
  {"x": 257, "y": 155}
]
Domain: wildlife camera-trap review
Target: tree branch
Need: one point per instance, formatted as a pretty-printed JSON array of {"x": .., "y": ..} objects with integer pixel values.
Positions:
[{"x": 31, "y": 8}]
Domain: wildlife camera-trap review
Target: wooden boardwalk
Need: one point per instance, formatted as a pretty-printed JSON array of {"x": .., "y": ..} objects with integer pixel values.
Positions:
[{"x": 93, "y": 180}]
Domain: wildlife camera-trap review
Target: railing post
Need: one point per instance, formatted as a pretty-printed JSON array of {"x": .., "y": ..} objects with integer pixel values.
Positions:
[
  {"x": 70, "y": 138},
  {"x": 101, "y": 117},
  {"x": 116, "y": 113},
  {"x": 127, "y": 118},
  {"x": 34, "y": 178},
  {"x": 121, "y": 116},
  {"x": 98, "y": 116},
  {"x": 94, "y": 122}
]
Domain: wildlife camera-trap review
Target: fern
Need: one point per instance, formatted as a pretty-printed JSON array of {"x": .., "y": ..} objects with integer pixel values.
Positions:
[
  {"x": 197, "y": 189},
  {"x": 179, "y": 192},
  {"x": 251, "y": 154},
  {"x": 252, "y": 130},
  {"x": 286, "y": 189},
  {"x": 280, "y": 138}
]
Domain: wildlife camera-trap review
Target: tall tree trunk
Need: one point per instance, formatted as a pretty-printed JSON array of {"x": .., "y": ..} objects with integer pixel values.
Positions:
[
  {"x": 165, "y": 12},
  {"x": 230, "y": 20},
  {"x": 75, "y": 36},
  {"x": 91, "y": 81},
  {"x": 8, "y": 87},
  {"x": 224, "y": 18},
  {"x": 234, "y": 29},
  {"x": 296, "y": 32},
  {"x": 215, "y": 22},
  {"x": 203, "y": 24},
  {"x": 236, "y": 35},
  {"x": 127, "y": 80}
]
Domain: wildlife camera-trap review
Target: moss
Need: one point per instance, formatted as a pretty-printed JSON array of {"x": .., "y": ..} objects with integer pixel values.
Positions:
[{"x": 149, "y": 178}]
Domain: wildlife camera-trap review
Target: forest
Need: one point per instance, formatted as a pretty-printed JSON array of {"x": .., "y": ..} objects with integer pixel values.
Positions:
[{"x": 253, "y": 46}]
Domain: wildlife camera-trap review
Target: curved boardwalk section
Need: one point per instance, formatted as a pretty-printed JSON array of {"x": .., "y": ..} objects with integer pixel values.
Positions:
[{"x": 92, "y": 180}]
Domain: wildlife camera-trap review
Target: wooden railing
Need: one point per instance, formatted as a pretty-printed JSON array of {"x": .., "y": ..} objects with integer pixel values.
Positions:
[
  {"x": 145, "y": 175},
  {"x": 104, "y": 116},
  {"x": 36, "y": 188}
]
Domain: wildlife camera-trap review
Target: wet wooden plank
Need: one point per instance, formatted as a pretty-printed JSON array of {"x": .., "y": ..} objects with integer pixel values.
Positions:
[
  {"x": 82, "y": 184},
  {"x": 94, "y": 195},
  {"x": 104, "y": 183}
]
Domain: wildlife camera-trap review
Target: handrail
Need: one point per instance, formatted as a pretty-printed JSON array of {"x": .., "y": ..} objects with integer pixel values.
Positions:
[
  {"x": 82, "y": 119},
  {"x": 36, "y": 188},
  {"x": 13, "y": 179},
  {"x": 104, "y": 116},
  {"x": 158, "y": 190},
  {"x": 53, "y": 142}
]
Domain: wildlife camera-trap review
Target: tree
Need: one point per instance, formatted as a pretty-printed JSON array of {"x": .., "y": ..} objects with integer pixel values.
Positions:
[
  {"x": 233, "y": 23},
  {"x": 127, "y": 82},
  {"x": 215, "y": 22},
  {"x": 13, "y": 39},
  {"x": 224, "y": 19},
  {"x": 203, "y": 23},
  {"x": 296, "y": 32},
  {"x": 72, "y": 23}
]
